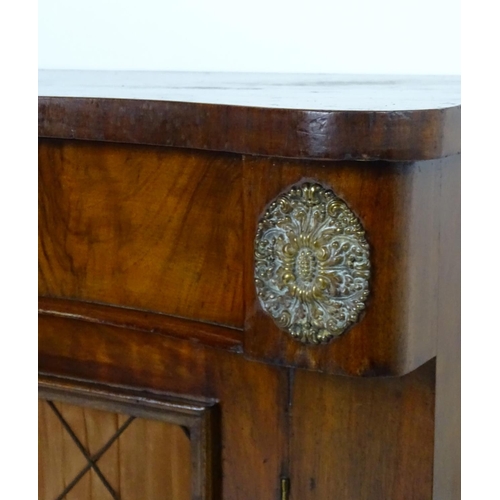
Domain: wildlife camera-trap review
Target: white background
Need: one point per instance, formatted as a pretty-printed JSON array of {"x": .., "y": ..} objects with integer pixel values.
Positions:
[{"x": 324, "y": 36}]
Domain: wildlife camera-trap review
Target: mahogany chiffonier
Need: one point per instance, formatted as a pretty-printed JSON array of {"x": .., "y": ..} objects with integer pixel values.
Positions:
[{"x": 249, "y": 287}]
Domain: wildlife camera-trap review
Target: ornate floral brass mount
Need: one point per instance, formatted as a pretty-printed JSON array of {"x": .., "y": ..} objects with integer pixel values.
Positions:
[{"x": 312, "y": 264}]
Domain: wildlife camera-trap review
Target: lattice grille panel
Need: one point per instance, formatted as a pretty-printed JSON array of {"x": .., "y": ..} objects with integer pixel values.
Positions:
[{"x": 91, "y": 454}]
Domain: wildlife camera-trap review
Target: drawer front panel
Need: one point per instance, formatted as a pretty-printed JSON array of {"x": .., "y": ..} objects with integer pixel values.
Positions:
[{"x": 148, "y": 228}]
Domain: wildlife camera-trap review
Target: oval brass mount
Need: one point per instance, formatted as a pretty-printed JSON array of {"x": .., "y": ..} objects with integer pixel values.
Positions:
[{"x": 312, "y": 264}]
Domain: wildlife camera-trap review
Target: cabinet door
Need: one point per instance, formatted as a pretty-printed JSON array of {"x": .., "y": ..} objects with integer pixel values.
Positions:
[
  {"x": 235, "y": 409},
  {"x": 109, "y": 442}
]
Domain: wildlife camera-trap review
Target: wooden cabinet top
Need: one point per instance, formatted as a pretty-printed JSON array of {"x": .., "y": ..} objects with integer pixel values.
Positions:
[{"x": 329, "y": 117}]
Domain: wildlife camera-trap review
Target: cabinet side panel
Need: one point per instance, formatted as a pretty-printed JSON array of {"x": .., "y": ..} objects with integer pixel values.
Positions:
[{"x": 447, "y": 451}]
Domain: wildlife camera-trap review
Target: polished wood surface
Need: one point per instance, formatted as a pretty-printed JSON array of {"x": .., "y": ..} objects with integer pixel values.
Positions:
[
  {"x": 363, "y": 439},
  {"x": 252, "y": 397},
  {"x": 151, "y": 229},
  {"x": 399, "y": 207},
  {"x": 198, "y": 466},
  {"x": 317, "y": 116},
  {"x": 175, "y": 245},
  {"x": 162, "y": 324},
  {"x": 150, "y": 196}
]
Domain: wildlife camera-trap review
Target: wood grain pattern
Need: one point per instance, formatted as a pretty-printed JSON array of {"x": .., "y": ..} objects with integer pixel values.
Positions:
[
  {"x": 194, "y": 331},
  {"x": 294, "y": 116},
  {"x": 151, "y": 459},
  {"x": 146, "y": 285},
  {"x": 89, "y": 487},
  {"x": 252, "y": 396},
  {"x": 363, "y": 439},
  {"x": 199, "y": 417},
  {"x": 59, "y": 459},
  {"x": 154, "y": 462},
  {"x": 151, "y": 229},
  {"x": 399, "y": 207}
]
